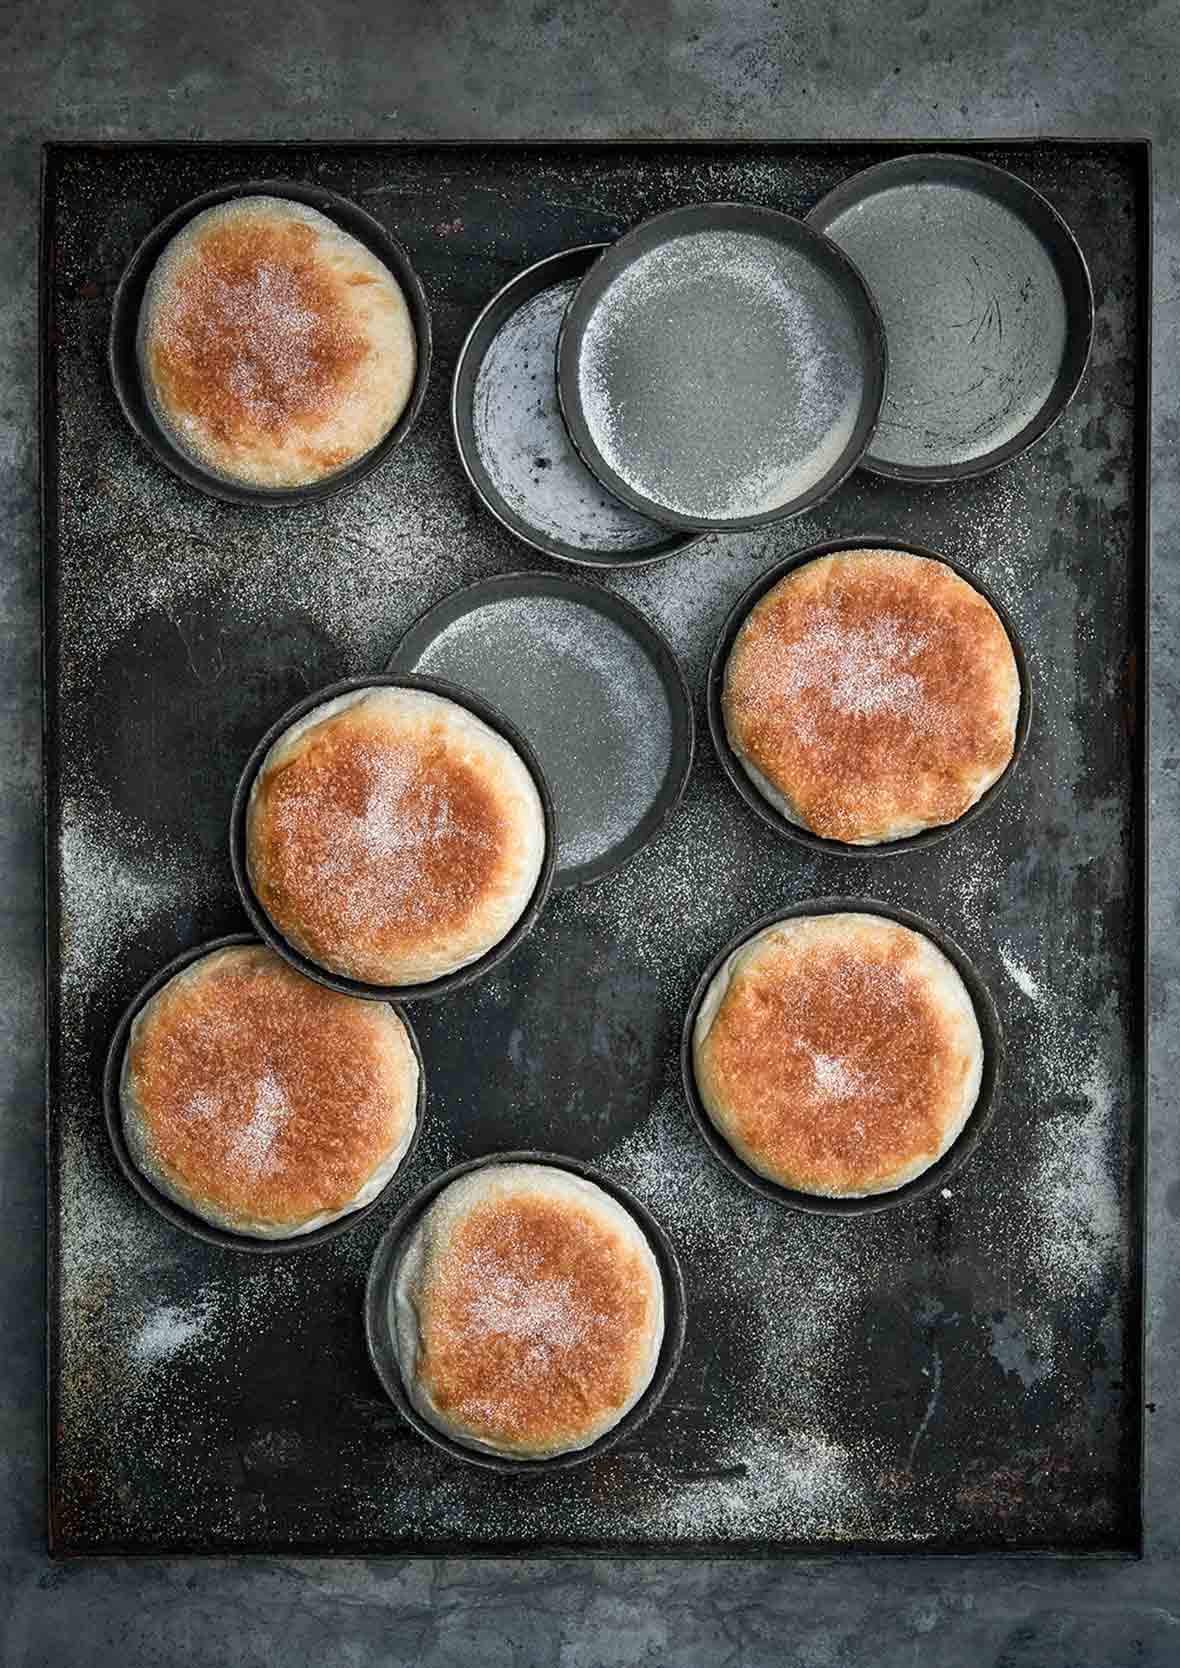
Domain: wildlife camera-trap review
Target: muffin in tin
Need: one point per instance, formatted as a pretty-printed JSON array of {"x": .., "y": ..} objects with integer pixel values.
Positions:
[
  {"x": 838, "y": 1054},
  {"x": 871, "y": 694},
  {"x": 261, "y": 1102},
  {"x": 274, "y": 348},
  {"x": 529, "y": 1311},
  {"x": 393, "y": 837}
]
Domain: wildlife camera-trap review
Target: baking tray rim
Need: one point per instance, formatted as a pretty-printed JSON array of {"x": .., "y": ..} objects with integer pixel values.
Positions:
[{"x": 1135, "y": 147}]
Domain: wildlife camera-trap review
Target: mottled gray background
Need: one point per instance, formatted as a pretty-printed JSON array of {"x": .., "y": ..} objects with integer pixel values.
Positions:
[{"x": 582, "y": 68}]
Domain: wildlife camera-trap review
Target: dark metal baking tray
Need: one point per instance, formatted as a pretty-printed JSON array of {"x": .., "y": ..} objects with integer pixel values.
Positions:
[{"x": 959, "y": 1375}]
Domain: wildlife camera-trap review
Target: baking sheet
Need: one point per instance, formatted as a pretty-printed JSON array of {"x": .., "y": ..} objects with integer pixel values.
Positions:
[{"x": 963, "y": 1374}]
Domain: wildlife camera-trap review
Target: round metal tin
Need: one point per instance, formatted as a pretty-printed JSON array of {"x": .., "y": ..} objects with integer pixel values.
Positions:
[
  {"x": 382, "y": 1339},
  {"x": 168, "y": 1208},
  {"x": 987, "y": 304},
  {"x": 965, "y": 1143},
  {"x": 728, "y": 385},
  {"x": 602, "y": 699},
  {"x": 265, "y": 927},
  {"x": 511, "y": 439}
]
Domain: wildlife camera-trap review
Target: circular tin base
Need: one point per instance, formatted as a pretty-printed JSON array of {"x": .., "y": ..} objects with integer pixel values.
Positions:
[
  {"x": 987, "y": 306},
  {"x": 594, "y": 686}
]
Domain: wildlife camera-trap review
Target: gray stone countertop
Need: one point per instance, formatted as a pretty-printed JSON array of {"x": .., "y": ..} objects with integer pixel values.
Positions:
[{"x": 491, "y": 69}]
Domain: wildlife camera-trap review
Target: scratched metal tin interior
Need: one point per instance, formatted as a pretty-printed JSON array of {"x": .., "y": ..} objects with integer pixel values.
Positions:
[{"x": 958, "y": 1375}]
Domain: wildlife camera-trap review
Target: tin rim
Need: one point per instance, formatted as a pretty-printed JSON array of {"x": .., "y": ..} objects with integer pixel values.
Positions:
[
  {"x": 382, "y": 1344},
  {"x": 176, "y": 1213},
  {"x": 265, "y": 927}
]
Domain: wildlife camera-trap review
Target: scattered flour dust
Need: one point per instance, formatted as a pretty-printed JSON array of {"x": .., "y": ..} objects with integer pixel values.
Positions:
[
  {"x": 106, "y": 900},
  {"x": 835, "y": 1077},
  {"x": 254, "y": 1146},
  {"x": 1071, "y": 1192},
  {"x": 1020, "y": 976},
  {"x": 1067, "y": 1182},
  {"x": 861, "y": 672},
  {"x": 781, "y": 1471},
  {"x": 796, "y": 1484},
  {"x": 168, "y": 1330},
  {"x": 547, "y": 1313}
]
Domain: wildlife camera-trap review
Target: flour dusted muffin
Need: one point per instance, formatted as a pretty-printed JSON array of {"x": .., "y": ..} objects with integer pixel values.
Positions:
[
  {"x": 392, "y": 837},
  {"x": 262, "y": 1102},
  {"x": 529, "y": 1311},
  {"x": 872, "y": 694},
  {"x": 838, "y": 1054},
  {"x": 275, "y": 348}
]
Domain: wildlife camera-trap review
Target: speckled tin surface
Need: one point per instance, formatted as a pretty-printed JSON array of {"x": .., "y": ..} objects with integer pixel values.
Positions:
[
  {"x": 592, "y": 684},
  {"x": 721, "y": 366},
  {"x": 512, "y": 441},
  {"x": 957, "y": 1375},
  {"x": 987, "y": 307}
]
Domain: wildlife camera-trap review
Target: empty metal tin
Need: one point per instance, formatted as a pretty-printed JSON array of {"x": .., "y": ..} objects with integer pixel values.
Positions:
[
  {"x": 987, "y": 306},
  {"x": 594, "y": 686},
  {"x": 511, "y": 439},
  {"x": 721, "y": 366}
]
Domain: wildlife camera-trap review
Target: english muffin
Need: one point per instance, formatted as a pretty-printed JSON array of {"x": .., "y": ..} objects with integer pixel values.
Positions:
[
  {"x": 392, "y": 837},
  {"x": 838, "y": 1055},
  {"x": 529, "y": 1311},
  {"x": 264, "y": 1103},
  {"x": 872, "y": 694},
  {"x": 274, "y": 348}
]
